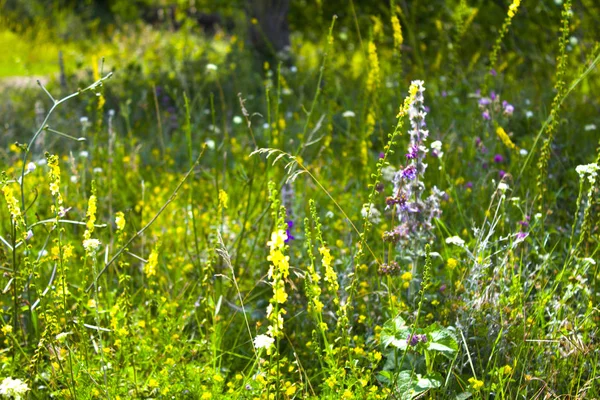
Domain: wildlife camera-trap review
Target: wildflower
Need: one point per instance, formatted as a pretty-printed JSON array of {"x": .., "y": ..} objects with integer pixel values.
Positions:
[
  {"x": 437, "y": 149},
  {"x": 150, "y": 266},
  {"x": 330, "y": 274},
  {"x": 507, "y": 108},
  {"x": 455, "y": 240},
  {"x": 409, "y": 172},
  {"x": 237, "y": 120},
  {"x": 373, "y": 76},
  {"x": 475, "y": 383},
  {"x": 211, "y": 67},
  {"x": 452, "y": 263},
  {"x": 589, "y": 170},
  {"x": 397, "y": 29},
  {"x": 528, "y": 114},
  {"x": 413, "y": 340},
  {"x": 290, "y": 225},
  {"x": 501, "y": 173},
  {"x": 348, "y": 114},
  {"x": 589, "y": 127},
  {"x": 512, "y": 9},
  {"x": 413, "y": 152},
  {"x": 30, "y": 167},
  {"x": 13, "y": 387},
  {"x": 505, "y": 138},
  {"x": 371, "y": 213},
  {"x": 13, "y": 203},
  {"x": 263, "y": 342},
  {"x": 91, "y": 245},
  {"x": 486, "y": 115},
  {"x": 210, "y": 144},
  {"x": 502, "y": 186},
  {"x": 389, "y": 269},
  {"x": 521, "y": 236},
  {"x": 498, "y": 158},
  {"x": 484, "y": 101},
  {"x": 120, "y": 220}
]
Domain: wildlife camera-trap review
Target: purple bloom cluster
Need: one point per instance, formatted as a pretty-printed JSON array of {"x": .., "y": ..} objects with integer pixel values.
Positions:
[
  {"x": 389, "y": 269},
  {"x": 492, "y": 106},
  {"x": 414, "y": 340}
]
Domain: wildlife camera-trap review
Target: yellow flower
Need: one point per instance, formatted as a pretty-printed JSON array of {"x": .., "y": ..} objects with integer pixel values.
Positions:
[
  {"x": 505, "y": 138},
  {"x": 278, "y": 239},
  {"x": 407, "y": 276},
  {"x": 475, "y": 383},
  {"x": 452, "y": 263},
  {"x": 507, "y": 370},
  {"x": 120, "y": 220}
]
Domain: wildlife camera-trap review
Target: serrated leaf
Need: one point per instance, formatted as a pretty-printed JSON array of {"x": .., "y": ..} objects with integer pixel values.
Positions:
[{"x": 442, "y": 340}]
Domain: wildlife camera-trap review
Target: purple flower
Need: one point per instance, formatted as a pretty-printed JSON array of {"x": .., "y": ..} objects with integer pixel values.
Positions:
[
  {"x": 493, "y": 95},
  {"x": 508, "y": 108},
  {"x": 443, "y": 288},
  {"x": 486, "y": 115},
  {"x": 413, "y": 152},
  {"x": 484, "y": 101},
  {"x": 444, "y": 93},
  {"x": 288, "y": 231},
  {"x": 469, "y": 185},
  {"x": 498, "y": 158},
  {"x": 381, "y": 154},
  {"x": 409, "y": 172},
  {"x": 413, "y": 340},
  {"x": 501, "y": 173},
  {"x": 521, "y": 236},
  {"x": 493, "y": 72}
]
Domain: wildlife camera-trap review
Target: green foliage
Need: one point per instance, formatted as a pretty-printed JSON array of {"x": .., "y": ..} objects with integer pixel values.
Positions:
[{"x": 359, "y": 217}]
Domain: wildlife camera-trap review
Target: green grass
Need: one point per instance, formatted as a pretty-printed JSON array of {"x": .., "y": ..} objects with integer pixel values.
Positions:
[{"x": 217, "y": 225}]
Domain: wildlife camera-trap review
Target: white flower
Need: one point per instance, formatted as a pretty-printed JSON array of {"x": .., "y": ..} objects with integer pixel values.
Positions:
[
  {"x": 97, "y": 170},
  {"x": 266, "y": 125},
  {"x": 591, "y": 170},
  {"x": 523, "y": 152},
  {"x": 329, "y": 214},
  {"x": 210, "y": 144},
  {"x": 369, "y": 211},
  {"x": 455, "y": 240},
  {"x": 74, "y": 178},
  {"x": 41, "y": 161},
  {"x": 30, "y": 167},
  {"x": 91, "y": 245},
  {"x": 437, "y": 145},
  {"x": 211, "y": 67},
  {"x": 13, "y": 387},
  {"x": 590, "y": 260},
  {"x": 590, "y": 127},
  {"x": 263, "y": 342},
  {"x": 237, "y": 120},
  {"x": 348, "y": 114},
  {"x": 293, "y": 69},
  {"x": 85, "y": 122},
  {"x": 529, "y": 114},
  {"x": 84, "y": 154},
  {"x": 503, "y": 186},
  {"x": 29, "y": 235},
  {"x": 388, "y": 173}
]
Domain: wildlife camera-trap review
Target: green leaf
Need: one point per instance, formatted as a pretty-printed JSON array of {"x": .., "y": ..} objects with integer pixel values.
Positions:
[
  {"x": 411, "y": 385},
  {"x": 442, "y": 340},
  {"x": 394, "y": 333}
]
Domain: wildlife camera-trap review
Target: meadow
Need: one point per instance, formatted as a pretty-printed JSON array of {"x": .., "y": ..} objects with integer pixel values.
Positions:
[{"x": 402, "y": 204}]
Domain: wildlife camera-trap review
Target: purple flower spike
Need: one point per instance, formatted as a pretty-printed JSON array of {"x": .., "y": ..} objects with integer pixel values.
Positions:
[
  {"x": 288, "y": 231},
  {"x": 413, "y": 152},
  {"x": 493, "y": 95}
]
